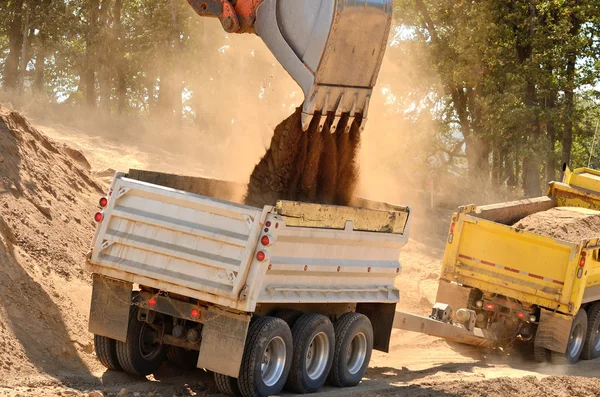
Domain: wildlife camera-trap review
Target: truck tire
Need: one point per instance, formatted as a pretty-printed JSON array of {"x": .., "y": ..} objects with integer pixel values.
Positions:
[
  {"x": 354, "y": 336},
  {"x": 183, "y": 358},
  {"x": 290, "y": 316},
  {"x": 267, "y": 357},
  {"x": 576, "y": 341},
  {"x": 106, "y": 351},
  {"x": 591, "y": 347},
  {"x": 138, "y": 355},
  {"x": 227, "y": 385},
  {"x": 541, "y": 354},
  {"x": 314, "y": 342}
]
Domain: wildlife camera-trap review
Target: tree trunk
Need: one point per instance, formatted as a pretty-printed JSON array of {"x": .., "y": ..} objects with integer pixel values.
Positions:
[
  {"x": 105, "y": 49},
  {"x": 23, "y": 62},
  {"x": 89, "y": 73},
  {"x": 567, "y": 141},
  {"x": 40, "y": 67},
  {"x": 121, "y": 61},
  {"x": 531, "y": 161},
  {"x": 15, "y": 37}
]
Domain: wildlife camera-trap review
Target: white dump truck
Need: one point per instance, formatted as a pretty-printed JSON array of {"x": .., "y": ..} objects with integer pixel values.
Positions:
[{"x": 286, "y": 295}]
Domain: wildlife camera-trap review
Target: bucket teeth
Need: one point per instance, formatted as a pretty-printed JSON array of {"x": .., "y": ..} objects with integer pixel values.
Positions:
[{"x": 334, "y": 60}]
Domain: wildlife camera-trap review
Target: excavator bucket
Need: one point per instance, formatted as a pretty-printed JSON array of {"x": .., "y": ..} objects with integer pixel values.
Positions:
[{"x": 333, "y": 49}]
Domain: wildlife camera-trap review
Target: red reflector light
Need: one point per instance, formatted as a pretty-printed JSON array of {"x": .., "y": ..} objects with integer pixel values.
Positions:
[
  {"x": 98, "y": 217},
  {"x": 152, "y": 302},
  {"x": 582, "y": 261},
  {"x": 452, "y": 228},
  {"x": 268, "y": 223},
  {"x": 520, "y": 315},
  {"x": 490, "y": 306},
  {"x": 195, "y": 313},
  {"x": 265, "y": 240},
  {"x": 260, "y": 256},
  {"x": 103, "y": 202}
]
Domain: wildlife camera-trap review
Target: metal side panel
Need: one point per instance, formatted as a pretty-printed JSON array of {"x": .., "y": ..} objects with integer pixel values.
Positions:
[
  {"x": 109, "y": 312},
  {"x": 325, "y": 266},
  {"x": 178, "y": 238}
]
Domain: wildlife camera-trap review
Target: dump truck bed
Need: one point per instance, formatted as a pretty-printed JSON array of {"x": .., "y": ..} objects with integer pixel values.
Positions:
[
  {"x": 208, "y": 249},
  {"x": 484, "y": 251}
]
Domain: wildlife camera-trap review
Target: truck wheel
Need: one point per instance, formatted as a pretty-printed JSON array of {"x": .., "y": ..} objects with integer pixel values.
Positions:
[
  {"x": 591, "y": 347},
  {"x": 541, "y": 354},
  {"x": 314, "y": 342},
  {"x": 183, "y": 358},
  {"x": 106, "y": 351},
  {"x": 576, "y": 341},
  {"x": 353, "y": 347},
  {"x": 227, "y": 385},
  {"x": 140, "y": 355},
  {"x": 267, "y": 357},
  {"x": 290, "y": 316}
]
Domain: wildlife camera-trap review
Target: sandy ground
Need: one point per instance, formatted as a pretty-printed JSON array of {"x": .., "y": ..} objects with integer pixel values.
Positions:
[{"x": 45, "y": 349}]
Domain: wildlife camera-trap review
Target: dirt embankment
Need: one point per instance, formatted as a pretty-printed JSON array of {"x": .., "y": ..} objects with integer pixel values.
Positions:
[
  {"x": 312, "y": 166},
  {"x": 564, "y": 223},
  {"x": 45, "y": 229}
]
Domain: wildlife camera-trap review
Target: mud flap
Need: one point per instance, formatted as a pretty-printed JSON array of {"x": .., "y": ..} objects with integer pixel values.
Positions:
[
  {"x": 109, "y": 312},
  {"x": 382, "y": 319},
  {"x": 223, "y": 341},
  {"x": 553, "y": 331}
]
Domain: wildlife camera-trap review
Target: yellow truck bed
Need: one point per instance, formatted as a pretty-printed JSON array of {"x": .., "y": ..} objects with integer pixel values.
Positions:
[{"x": 483, "y": 251}]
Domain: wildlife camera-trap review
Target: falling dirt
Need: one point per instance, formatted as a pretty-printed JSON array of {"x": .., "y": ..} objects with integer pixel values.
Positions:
[
  {"x": 564, "y": 223},
  {"x": 311, "y": 166}
]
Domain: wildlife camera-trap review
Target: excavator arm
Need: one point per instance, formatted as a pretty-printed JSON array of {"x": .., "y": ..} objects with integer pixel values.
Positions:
[{"x": 333, "y": 49}]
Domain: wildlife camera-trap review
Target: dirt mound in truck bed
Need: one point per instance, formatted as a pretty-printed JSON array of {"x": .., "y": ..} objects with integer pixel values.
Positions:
[
  {"x": 563, "y": 223},
  {"x": 46, "y": 210},
  {"x": 310, "y": 166}
]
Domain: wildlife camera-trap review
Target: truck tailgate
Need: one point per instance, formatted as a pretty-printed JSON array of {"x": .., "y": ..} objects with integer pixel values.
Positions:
[
  {"x": 168, "y": 239},
  {"x": 502, "y": 259}
]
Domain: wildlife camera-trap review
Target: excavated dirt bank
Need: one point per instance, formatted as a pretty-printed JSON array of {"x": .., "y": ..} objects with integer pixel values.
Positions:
[
  {"x": 563, "y": 223},
  {"x": 310, "y": 166},
  {"x": 45, "y": 229}
]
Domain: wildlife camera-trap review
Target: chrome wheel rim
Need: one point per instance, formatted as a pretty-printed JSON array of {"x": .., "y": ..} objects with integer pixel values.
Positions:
[
  {"x": 576, "y": 340},
  {"x": 273, "y": 361},
  {"x": 357, "y": 352},
  {"x": 317, "y": 355},
  {"x": 149, "y": 347},
  {"x": 597, "y": 338}
]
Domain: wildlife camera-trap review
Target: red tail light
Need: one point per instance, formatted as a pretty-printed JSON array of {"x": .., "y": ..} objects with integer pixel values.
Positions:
[
  {"x": 103, "y": 202},
  {"x": 152, "y": 302},
  {"x": 195, "y": 313},
  {"x": 268, "y": 223},
  {"x": 98, "y": 217},
  {"x": 521, "y": 315},
  {"x": 582, "y": 261},
  {"x": 490, "y": 306},
  {"x": 452, "y": 227},
  {"x": 265, "y": 240},
  {"x": 260, "y": 256}
]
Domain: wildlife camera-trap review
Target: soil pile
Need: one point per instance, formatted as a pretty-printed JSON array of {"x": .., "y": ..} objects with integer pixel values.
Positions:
[
  {"x": 311, "y": 166},
  {"x": 564, "y": 223},
  {"x": 46, "y": 209}
]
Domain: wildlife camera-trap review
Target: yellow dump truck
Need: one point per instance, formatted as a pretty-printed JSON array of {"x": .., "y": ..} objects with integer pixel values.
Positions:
[{"x": 512, "y": 284}]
